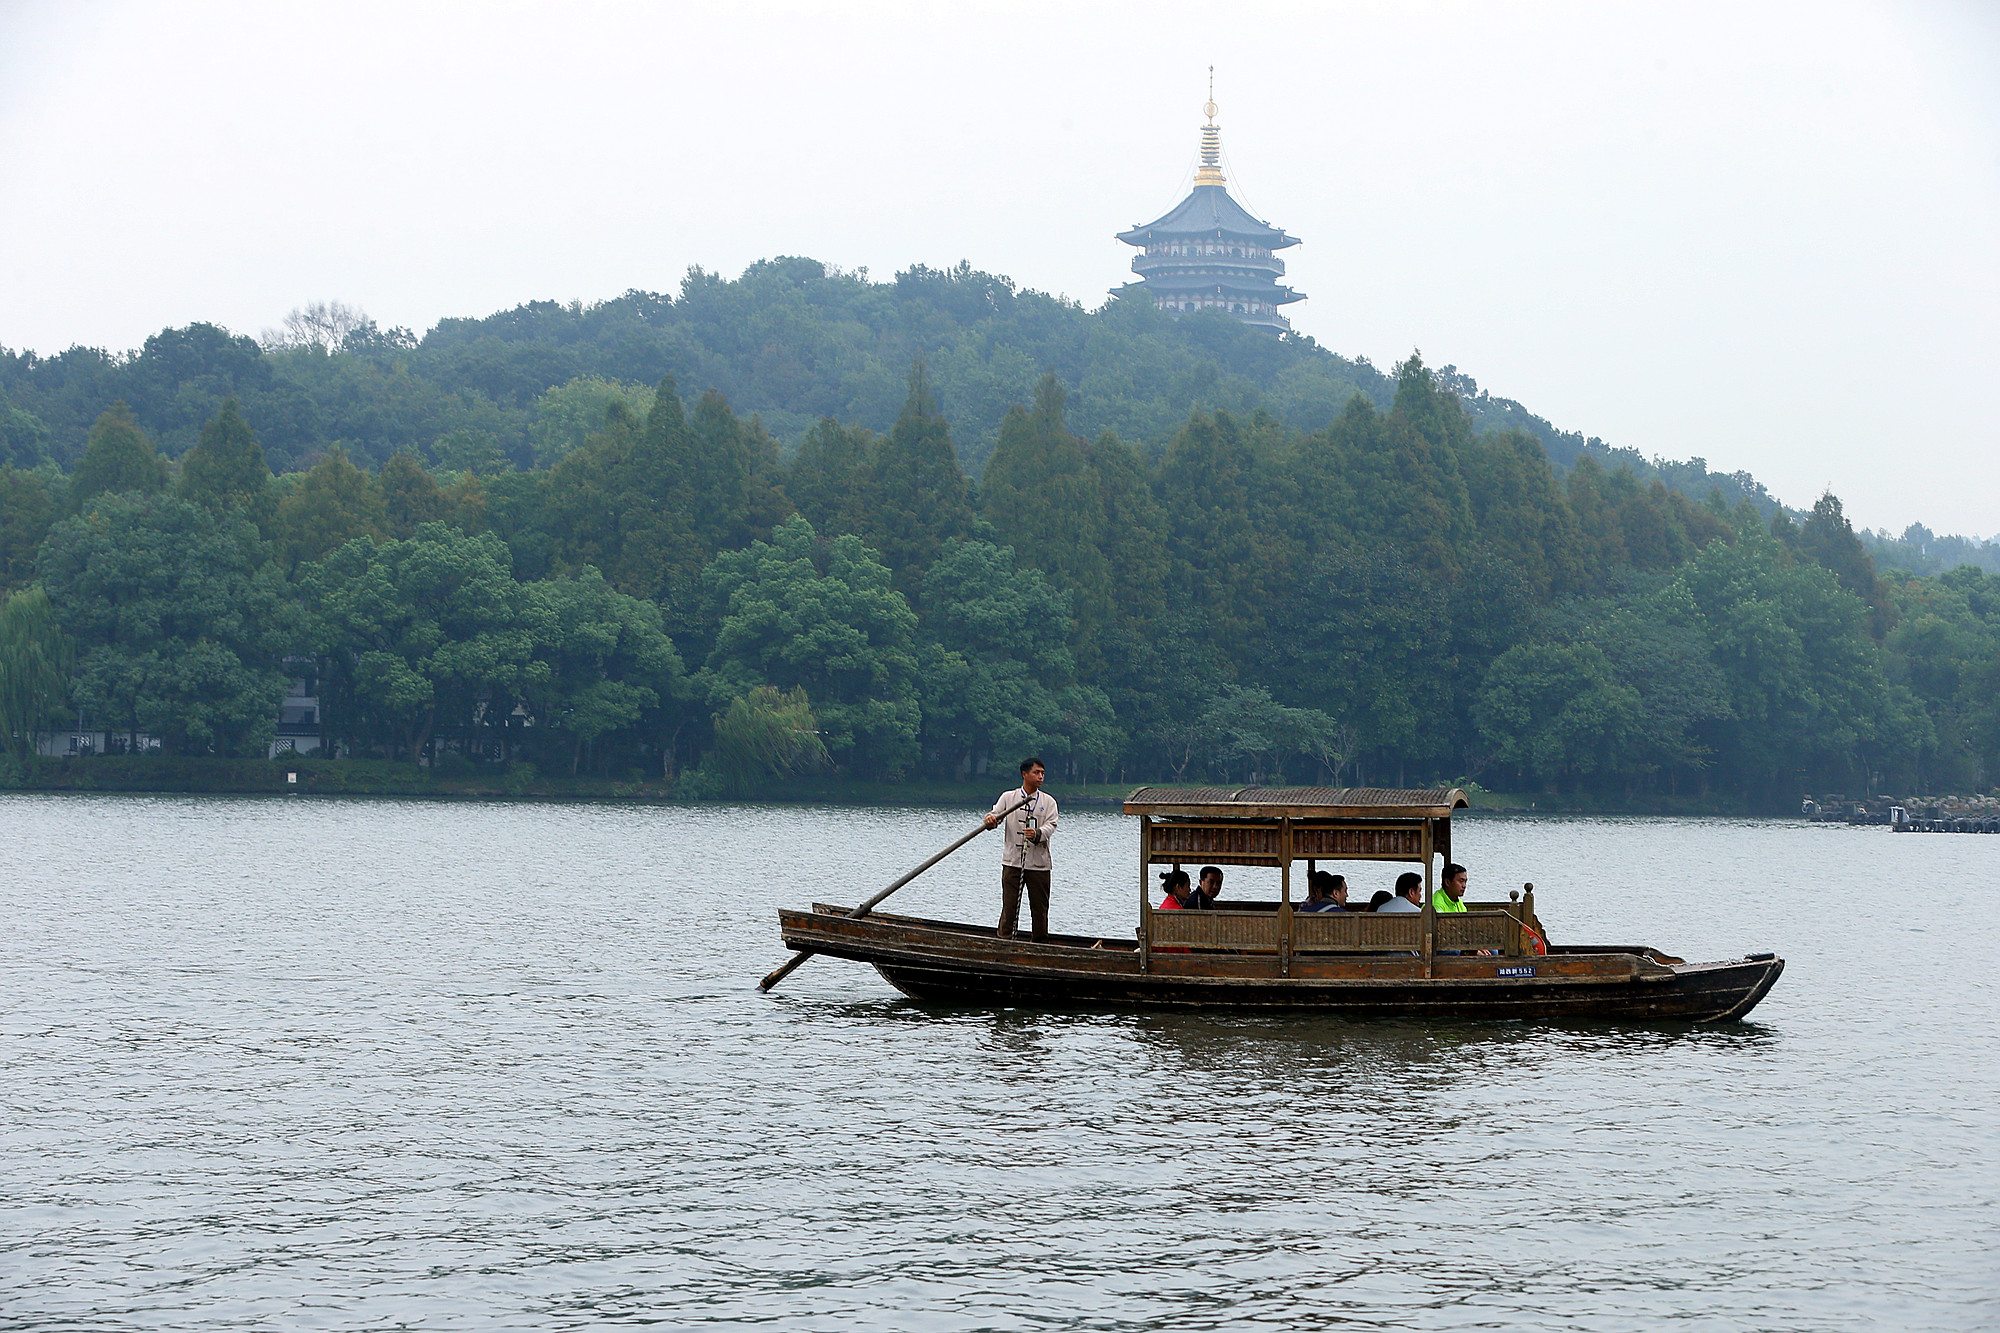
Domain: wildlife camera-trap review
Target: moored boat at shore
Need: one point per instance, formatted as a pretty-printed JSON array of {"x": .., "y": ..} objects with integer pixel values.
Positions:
[{"x": 1491, "y": 960}]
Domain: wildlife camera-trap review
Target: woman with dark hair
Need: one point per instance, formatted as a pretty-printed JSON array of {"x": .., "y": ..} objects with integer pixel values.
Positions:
[
  {"x": 1325, "y": 892},
  {"x": 1381, "y": 896},
  {"x": 1175, "y": 883}
]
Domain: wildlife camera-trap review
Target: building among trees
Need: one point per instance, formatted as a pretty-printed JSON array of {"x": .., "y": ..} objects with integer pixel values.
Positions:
[{"x": 1208, "y": 253}]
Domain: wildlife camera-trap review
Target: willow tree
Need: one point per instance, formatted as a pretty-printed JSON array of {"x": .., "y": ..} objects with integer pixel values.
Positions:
[
  {"x": 766, "y": 733},
  {"x": 36, "y": 659}
]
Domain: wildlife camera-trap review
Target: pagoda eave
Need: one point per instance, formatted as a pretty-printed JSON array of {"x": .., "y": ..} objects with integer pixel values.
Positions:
[{"x": 1247, "y": 291}]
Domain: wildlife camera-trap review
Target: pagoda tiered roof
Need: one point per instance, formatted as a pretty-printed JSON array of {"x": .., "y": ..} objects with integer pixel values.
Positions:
[{"x": 1209, "y": 211}]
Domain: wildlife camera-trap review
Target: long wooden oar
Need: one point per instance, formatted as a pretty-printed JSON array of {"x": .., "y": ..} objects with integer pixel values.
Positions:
[{"x": 869, "y": 906}]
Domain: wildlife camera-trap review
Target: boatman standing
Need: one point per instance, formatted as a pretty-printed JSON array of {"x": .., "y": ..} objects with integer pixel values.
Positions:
[{"x": 1024, "y": 849}]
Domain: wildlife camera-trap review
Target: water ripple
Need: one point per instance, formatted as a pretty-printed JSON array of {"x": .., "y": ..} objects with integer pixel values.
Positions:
[{"x": 362, "y": 1065}]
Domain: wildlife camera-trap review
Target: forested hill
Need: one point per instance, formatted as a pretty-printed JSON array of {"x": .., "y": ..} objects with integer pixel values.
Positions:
[
  {"x": 1393, "y": 597},
  {"x": 997, "y": 524},
  {"x": 791, "y": 341}
]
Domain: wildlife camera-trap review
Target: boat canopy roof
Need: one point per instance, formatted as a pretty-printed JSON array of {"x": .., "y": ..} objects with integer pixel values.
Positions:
[{"x": 1296, "y": 802}]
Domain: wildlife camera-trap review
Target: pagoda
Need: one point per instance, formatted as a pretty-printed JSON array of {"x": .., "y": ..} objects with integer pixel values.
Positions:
[{"x": 1208, "y": 253}]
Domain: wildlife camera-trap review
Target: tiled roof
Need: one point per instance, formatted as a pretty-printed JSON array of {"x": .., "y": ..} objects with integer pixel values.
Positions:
[
  {"x": 1206, "y": 211},
  {"x": 1361, "y": 802}
]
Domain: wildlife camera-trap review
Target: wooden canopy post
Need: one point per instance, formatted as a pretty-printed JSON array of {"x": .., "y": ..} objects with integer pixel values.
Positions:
[
  {"x": 1145, "y": 893},
  {"x": 1430, "y": 909},
  {"x": 1285, "y": 897}
]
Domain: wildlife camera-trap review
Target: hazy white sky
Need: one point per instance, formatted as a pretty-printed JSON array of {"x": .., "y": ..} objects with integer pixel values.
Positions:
[{"x": 1766, "y": 234}]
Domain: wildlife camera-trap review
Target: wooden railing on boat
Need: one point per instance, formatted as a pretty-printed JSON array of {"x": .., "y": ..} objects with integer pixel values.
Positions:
[{"x": 1497, "y": 929}]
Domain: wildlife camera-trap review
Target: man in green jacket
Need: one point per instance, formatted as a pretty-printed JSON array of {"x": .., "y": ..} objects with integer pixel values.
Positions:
[{"x": 1450, "y": 898}]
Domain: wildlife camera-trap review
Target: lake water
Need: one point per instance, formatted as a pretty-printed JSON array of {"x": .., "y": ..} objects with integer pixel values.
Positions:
[{"x": 338, "y": 1064}]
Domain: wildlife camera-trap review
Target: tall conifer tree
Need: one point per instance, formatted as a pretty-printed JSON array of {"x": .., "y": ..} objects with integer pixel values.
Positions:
[
  {"x": 1041, "y": 498},
  {"x": 226, "y": 469},
  {"x": 920, "y": 492},
  {"x": 831, "y": 478},
  {"x": 411, "y": 496},
  {"x": 118, "y": 457}
]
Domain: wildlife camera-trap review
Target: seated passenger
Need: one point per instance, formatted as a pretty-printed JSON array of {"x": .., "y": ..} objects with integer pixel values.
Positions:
[
  {"x": 1450, "y": 897},
  {"x": 1208, "y": 890},
  {"x": 1175, "y": 883},
  {"x": 1325, "y": 893},
  {"x": 1375, "y": 903},
  {"x": 1409, "y": 895}
]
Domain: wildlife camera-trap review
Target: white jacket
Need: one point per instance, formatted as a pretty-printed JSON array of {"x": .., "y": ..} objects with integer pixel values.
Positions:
[{"x": 1015, "y": 848}]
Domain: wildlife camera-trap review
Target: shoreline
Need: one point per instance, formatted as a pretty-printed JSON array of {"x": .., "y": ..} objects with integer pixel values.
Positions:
[{"x": 203, "y": 775}]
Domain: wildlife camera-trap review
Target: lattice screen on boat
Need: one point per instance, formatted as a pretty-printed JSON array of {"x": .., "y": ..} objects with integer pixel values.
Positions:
[
  {"x": 1255, "y": 844},
  {"x": 1356, "y": 932},
  {"x": 1218, "y": 930}
]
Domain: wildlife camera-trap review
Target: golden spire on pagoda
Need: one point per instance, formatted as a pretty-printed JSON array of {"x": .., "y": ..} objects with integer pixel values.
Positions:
[{"x": 1211, "y": 141}]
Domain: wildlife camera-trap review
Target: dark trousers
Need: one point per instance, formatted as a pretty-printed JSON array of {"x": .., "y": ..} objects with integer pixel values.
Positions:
[{"x": 1037, "y": 881}]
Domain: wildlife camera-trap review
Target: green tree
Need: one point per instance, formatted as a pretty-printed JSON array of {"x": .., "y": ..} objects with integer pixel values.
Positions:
[
  {"x": 795, "y": 614},
  {"x": 998, "y": 662},
  {"x": 1522, "y": 515},
  {"x": 1364, "y": 640},
  {"x": 604, "y": 663},
  {"x": 732, "y": 477},
  {"x": 36, "y": 659},
  {"x": 411, "y": 496},
  {"x": 180, "y": 621},
  {"x": 118, "y": 457},
  {"x": 1557, "y": 710},
  {"x": 763, "y": 734},
  {"x": 1655, "y": 642},
  {"x": 416, "y": 633},
  {"x": 624, "y": 503},
  {"x": 24, "y": 440},
  {"x": 919, "y": 491},
  {"x": 1405, "y": 469},
  {"x": 832, "y": 478},
  {"x": 1229, "y": 522},
  {"x": 1039, "y": 494},
  {"x": 1805, "y": 679},
  {"x": 569, "y": 414},
  {"x": 29, "y": 503},
  {"x": 226, "y": 469},
  {"x": 471, "y": 451},
  {"x": 1599, "y": 532},
  {"x": 1249, "y": 727},
  {"x": 327, "y": 508},
  {"x": 1828, "y": 539}
]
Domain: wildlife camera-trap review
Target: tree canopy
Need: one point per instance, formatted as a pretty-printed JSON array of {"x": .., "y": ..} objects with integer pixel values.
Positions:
[{"x": 1135, "y": 546}]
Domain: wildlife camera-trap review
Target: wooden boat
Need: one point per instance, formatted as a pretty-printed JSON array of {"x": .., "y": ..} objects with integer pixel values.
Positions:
[{"x": 1490, "y": 961}]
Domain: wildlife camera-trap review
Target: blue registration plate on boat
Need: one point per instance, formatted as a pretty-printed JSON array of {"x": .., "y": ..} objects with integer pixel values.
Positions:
[{"x": 1527, "y": 971}]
